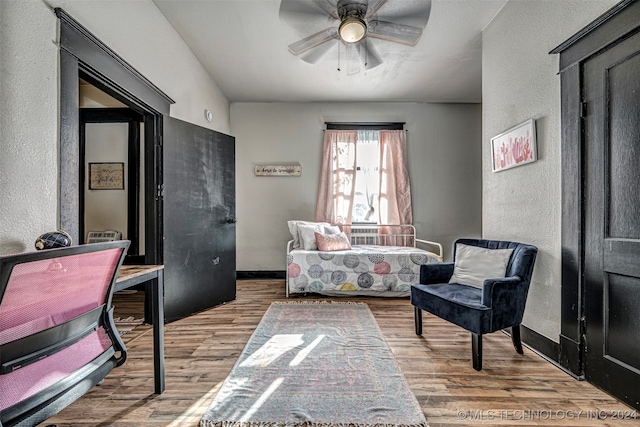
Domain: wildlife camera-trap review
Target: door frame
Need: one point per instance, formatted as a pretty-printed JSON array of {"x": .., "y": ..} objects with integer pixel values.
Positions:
[
  {"x": 82, "y": 54},
  {"x": 603, "y": 33}
]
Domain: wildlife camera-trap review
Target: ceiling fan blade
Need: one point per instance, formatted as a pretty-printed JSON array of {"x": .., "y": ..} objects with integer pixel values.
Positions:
[
  {"x": 353, "y": 56},
  {"x": 328, "y": 6},
  {"x": 399, "y": 33},
  {"x": 409, "y": 12},
  {"x": 295, "y": 11},
  {"x": 369, "y": 54},
  {"x": 373, "y": 7},
  {"x": 313, "y": 40},
  {"x": 313, "y": 55}
]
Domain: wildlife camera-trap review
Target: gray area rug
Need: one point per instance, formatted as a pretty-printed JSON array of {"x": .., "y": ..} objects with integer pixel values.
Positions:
[{"x": 315, "y": 364}]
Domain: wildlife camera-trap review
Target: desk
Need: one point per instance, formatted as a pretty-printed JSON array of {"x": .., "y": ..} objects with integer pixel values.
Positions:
[{"x": 131, "y": 275}]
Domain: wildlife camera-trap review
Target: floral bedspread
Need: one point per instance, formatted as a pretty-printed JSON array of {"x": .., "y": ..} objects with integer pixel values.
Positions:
[{"x": 363, "y": 268}]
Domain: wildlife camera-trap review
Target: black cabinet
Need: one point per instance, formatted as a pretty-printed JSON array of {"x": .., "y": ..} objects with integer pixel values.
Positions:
[{"x": 600, "y": 75}]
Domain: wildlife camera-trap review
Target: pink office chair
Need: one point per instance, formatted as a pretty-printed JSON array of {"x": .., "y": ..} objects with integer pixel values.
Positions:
[{"x": 57, "y": 336}]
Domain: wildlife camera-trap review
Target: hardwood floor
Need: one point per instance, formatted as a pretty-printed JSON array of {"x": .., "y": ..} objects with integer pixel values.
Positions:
[{"x": 514, "y": 390}]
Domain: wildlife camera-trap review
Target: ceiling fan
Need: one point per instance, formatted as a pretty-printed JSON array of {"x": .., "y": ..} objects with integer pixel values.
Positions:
[{"x": 355, "y": 24}]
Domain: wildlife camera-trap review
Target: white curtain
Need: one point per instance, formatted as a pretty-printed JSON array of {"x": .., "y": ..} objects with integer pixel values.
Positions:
[
  {"x": 395, "y": 187},
  {"x": 337, "y": 177}
]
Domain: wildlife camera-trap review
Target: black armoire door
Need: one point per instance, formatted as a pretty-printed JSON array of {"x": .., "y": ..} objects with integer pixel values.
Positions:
[
  {"x": 612, "y": 220},
  {"x": 600, "y": 75},
  {"x": 199, "y": 246}
]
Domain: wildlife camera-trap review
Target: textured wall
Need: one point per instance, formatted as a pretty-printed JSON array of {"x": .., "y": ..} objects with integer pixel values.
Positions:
[
  {"x": 28, "y": 124},
  {"x": 444, "y": 142},
  {"x": 29, "y": 75},
  {"x": 139, "y": 33},
  {"x": 520, "y": 82}
]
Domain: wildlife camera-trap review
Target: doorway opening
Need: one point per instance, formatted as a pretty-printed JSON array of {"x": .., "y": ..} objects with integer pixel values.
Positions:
[
  {"x": 112, "y": 161},
  {"x": 114, "y": 166}
]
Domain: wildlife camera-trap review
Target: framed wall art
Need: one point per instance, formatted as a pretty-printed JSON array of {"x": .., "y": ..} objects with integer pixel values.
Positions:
[
  {"x": 514, "y": 147},
  {"x": 106, "y": 176}
]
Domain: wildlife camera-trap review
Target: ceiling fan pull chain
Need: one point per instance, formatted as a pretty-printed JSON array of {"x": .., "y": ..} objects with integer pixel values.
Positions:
[
  {"x": 366, "y": 52},
  {"x": 339, "y": 43}
]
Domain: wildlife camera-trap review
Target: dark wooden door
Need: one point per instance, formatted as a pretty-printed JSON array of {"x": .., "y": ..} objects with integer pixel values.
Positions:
[
  {"x": 199, "y": 246},
  {"x": 612, "y": 220}
]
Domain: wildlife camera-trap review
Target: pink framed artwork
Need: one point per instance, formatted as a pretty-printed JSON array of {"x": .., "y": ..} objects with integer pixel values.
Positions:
[{"x": 514, "y": 147}]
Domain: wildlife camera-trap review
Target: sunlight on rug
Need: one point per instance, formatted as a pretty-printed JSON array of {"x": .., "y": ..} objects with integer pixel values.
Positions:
[{"x": 315, "y": 364}]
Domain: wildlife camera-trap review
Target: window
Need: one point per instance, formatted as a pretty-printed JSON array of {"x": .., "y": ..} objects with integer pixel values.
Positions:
[
  {"x": 367, "y": 181},
  {"x": 364, "y": 177}
]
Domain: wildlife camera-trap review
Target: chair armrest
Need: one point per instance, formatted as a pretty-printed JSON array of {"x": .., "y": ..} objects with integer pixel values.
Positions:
[
  {"x": 436, "y": 273},
  {"x": 499, "y": 290}
]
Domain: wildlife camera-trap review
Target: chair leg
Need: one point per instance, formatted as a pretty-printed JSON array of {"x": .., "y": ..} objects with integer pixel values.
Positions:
[
  {"x": 515, "y": 337},
  {"x": 418, "y": 320},
  {"x": 476, "y": 349}
]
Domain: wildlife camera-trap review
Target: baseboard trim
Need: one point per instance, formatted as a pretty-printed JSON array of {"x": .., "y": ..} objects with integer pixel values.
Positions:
[
  {"x": 540, "y": 343},
  {"x": 543, "y": 347},
  {"x": 570, "y": 355},
  {"x": 260, "y": 274}
]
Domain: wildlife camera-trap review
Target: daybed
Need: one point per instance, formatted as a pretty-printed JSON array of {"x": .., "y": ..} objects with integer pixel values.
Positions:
[{"x": 374, "y": 260}]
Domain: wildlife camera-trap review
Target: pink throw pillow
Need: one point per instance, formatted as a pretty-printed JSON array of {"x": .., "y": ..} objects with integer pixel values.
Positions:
[{"x": 332, "y": 242}]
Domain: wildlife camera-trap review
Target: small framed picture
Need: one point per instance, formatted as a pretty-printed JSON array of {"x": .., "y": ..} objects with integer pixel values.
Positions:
[
  {"x": 514, "y": 147},
  {"x": 106, "y": 176}
]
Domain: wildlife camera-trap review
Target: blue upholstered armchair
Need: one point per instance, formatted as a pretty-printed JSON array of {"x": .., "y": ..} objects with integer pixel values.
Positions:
[{"x": 484, "y": 290}]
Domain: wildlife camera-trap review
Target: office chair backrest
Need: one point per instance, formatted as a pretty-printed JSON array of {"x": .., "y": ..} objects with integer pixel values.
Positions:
[{"x": 57, "y": 337}]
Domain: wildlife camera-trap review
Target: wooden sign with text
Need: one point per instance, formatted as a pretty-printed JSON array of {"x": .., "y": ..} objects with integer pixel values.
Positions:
[{"x": 278, "y": 170}]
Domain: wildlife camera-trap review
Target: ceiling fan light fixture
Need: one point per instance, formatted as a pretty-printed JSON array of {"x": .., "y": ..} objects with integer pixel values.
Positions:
[{"x": 352, "y": 30}]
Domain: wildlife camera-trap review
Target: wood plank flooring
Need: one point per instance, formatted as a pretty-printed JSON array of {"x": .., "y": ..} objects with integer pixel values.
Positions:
[{"x": 512, "y": 390}]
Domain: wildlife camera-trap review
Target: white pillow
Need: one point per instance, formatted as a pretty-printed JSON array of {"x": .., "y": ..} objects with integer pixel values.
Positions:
[
  {"x": 308, "y": 236},
  {"x": 331, "y": 229},
  {"x": 322, "y": 227},
  {"x": 293, "y": 229},
  {"x": 473, "y": 264}
]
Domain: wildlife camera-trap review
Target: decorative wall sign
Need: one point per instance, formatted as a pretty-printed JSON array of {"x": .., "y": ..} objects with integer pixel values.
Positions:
[
  {"x": 514, "y": 147},
  {"x": 293, "y": 169},
  {"x": 106, "y": 176}
]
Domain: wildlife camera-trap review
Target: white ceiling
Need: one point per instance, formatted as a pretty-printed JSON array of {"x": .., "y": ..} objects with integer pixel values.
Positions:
[{"x": 243, "y": 45}]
